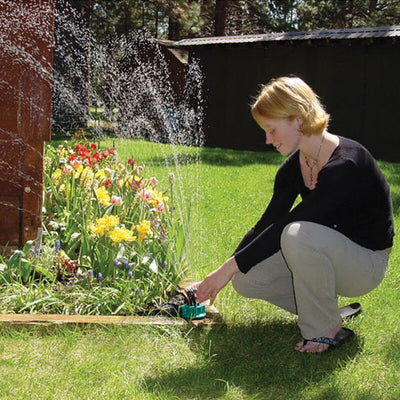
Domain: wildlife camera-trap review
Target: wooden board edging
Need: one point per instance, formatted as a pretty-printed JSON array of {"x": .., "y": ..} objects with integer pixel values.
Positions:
[
  {"x": 87, "y": 319},
  {"x": 213, "y": 318}
]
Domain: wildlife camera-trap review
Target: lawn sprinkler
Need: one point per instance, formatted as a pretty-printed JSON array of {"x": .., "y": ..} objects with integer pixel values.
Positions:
[{"x": 193, "y": 310}]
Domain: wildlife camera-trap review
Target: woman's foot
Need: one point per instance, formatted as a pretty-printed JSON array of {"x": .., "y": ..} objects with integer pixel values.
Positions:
[{"x": 312, "y": 347}]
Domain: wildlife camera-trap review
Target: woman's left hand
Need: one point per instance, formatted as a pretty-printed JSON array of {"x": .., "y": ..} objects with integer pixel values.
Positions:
[{"x": 215, "y": 281}]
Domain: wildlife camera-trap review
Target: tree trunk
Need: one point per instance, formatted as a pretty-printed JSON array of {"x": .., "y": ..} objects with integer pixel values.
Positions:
[
  {"x": 372, "y": 6},
  {"x": 220, "y": 17},
  {"x": 350, "y": 14}
]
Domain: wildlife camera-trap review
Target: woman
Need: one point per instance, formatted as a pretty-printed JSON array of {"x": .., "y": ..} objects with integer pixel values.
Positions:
[{"x": 336, "y": 241}]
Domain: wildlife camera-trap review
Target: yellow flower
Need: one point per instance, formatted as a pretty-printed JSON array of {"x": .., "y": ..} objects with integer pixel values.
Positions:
[
  {"x": 118, "y": 235},
  {"x": 144, "y": 229},
  {"x": 86, "y": 177},
  {"x": 120, "y": 167},
  {"x": 100, "y": 175},
  {"x": 104, "y": 224},
  {"x": 97, "y": 229},
  {"x": 62, "y": 152},
  {"x": 157, "y": 198},
  {"x": 129, "y": 182},
  {"x": 78, "y": 167},
  {"x": 46, "y": 162},
  {"x": 57, "y": 176},
  {"x": 103, "y": 196}
]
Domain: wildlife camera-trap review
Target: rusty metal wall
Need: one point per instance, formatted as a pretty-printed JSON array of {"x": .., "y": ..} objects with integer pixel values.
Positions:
[{"x": 25, "y": 113}]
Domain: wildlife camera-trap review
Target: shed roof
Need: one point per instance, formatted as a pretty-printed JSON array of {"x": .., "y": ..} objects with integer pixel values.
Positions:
[{"x": 334, "y": 34}]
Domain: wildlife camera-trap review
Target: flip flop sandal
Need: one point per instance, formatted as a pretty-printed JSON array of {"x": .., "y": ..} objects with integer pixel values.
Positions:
[
  {"x": 341, "y": 337},
  {"x": 351, "y": 310}
]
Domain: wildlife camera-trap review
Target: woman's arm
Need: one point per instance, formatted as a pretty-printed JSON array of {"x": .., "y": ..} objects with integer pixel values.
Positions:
[
  {"x": 215, "y": 281},
  {"x": 336, "y": 186}
]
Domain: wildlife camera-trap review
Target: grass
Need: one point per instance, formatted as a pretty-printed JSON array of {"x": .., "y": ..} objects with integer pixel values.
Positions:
[{"x": 253, "y": 356}]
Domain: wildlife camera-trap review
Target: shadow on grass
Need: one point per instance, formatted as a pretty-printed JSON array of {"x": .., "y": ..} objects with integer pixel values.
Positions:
[
  {"x": 216, "y": 157},
  {"x": 255, "y": 359}
]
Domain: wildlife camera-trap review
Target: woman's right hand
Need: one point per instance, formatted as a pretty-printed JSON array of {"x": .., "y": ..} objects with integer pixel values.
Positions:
[{"x": 215, "y": 281}]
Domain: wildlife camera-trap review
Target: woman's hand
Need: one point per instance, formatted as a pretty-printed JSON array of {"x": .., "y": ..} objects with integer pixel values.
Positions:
[{"x": 215, "y": 281}]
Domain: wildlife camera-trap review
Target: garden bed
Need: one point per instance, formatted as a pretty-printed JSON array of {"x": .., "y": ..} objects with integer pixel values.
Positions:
[{"x": 112, "y": 241}]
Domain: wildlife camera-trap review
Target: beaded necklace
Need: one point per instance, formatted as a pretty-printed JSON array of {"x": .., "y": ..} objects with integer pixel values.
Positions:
[{"x": 314, "y": 163}]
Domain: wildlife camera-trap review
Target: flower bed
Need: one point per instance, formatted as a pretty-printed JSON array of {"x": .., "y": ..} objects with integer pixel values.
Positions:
[{"x": 112, "y": 242}]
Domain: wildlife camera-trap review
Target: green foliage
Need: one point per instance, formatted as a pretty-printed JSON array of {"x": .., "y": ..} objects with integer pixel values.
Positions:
[
  {"x": 177, "y": 19},
  {"x": 315, "y": 14}
]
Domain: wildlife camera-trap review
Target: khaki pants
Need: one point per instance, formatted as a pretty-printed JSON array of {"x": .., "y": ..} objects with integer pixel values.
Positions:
[{"x": 314, "y": 265}]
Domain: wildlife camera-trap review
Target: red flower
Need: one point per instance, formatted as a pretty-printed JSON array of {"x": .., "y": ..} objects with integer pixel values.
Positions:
[
  {"x": 96, "y": 156},
  {"x": 73, "y": 157},
  {"x": 93, "y": 146},
  {"x": 108, "y": 183},
  {"x": 71, "y": 265},
  {"x": 105, "y": 154},
  {"x": 111, "y": 150},
  {"x": 132, "y": 161},
  {"x": 89, "y": 161}
]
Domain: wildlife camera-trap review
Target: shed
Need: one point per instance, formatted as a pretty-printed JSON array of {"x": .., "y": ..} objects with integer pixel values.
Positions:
[
  {"x": 354, "y": 71},
  {"x": 26, "y": 47}
]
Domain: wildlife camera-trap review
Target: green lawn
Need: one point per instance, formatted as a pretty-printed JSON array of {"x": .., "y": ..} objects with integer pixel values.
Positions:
[{"x": 253, "y": 356}]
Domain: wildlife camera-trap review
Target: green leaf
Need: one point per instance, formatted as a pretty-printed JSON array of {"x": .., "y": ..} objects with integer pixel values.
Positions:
[
  {"x": 45, "y": 272},
  {"x": 27, "y": 247},
  {"x": 25, "y": 268}
]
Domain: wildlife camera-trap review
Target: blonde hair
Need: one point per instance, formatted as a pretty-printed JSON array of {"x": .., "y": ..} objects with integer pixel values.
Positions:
[{"x": 290, "y": 97}]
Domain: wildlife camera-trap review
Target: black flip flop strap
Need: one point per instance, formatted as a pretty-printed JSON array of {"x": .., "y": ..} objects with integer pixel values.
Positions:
[{"x": 325, "y": 340}]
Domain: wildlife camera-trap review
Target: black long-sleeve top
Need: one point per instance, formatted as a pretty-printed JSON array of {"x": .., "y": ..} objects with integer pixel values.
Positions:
[{"x": 351, "y": 196}]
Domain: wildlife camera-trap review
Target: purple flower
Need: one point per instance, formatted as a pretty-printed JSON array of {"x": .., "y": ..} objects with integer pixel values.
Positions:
[
  {"x": 99, "y": 276},
  {"x": 90, "y": 272},
  {"x": 124, "y": 263},
  {"x": 165, "y": 265},
  {"x": 130, "y": 275},
  {"x": 130, "y": 266},
  {"x": 19, "y": 253},
  {"x": 147, "y": 275},
  {"x": 57, "y": 246},
  {"x": 115, "y": 262}
]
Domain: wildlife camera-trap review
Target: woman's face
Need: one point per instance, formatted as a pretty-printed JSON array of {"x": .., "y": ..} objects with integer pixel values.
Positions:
[{"x": 283, "y": 134}]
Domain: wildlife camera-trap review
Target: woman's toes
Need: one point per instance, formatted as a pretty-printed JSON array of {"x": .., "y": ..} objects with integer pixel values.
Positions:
[
  {"x": 312, "y": 347},
  {"x": 299, "y": 345}
]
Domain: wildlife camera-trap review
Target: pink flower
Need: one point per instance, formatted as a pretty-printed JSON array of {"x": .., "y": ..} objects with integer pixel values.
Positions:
[
  {"x": 153, "y": 181},
  {"x": 161, "y": 208},
  {"x": 67, "y": 169},
  {"x": 146, "y": 194},
  {"x": 116, "y": 200}
]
